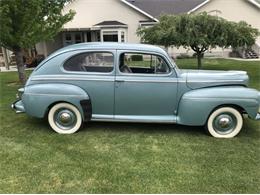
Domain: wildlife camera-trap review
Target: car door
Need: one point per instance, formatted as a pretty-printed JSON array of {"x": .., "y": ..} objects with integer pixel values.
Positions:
[
  {"x": 94, "y": 71},
  {"x": 145, "y": 87}
]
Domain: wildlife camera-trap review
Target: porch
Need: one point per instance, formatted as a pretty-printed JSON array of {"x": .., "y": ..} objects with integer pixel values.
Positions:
[{"x": 106, "y": 31}]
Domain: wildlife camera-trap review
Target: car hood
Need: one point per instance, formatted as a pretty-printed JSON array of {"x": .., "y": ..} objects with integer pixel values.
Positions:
[{"x": 207, "y": 78}]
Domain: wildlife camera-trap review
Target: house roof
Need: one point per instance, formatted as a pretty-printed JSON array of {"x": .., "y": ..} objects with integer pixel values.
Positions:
[
  {"x": 110, "y": 23},
  {"x": 157, "y": 7},
  {"x": 255, "y": 3},
  {"x": 154, "y": 8}
]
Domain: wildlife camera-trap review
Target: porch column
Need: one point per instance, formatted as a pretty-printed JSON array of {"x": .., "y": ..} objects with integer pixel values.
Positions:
[{"x": 6, "y": 60}]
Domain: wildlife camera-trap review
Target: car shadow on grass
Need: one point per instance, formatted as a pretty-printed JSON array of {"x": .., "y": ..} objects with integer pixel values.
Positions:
[
  {"x": 147, "y": 128},
  {"x": 118, "y": 127},
  {"x": 251, "y": 129}
]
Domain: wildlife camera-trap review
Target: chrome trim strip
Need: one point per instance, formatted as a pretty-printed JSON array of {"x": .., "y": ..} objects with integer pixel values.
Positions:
[
  {"x": 71, "y": 79},
  {"x": 217, "y": 98},
  {"x": 102, "y": 116},
  {"x": 57, "y": 77},
  {"x": 127, "y": 118},
  {"x": 148, "y": 81},
  {"x": 146, "y": 75},
  {"x": 212, "y": 81},
  {"x": 42, "y": 94},
  {"x": 133, "y": 121}
]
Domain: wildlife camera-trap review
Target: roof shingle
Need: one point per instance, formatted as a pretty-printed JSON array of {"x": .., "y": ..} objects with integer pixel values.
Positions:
[{"x": 159, "y": 7}]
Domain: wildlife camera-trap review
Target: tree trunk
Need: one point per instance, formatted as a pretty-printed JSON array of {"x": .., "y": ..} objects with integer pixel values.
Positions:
[
  {"x": 20, "y": 64},
  {"x": 199, "y": 57}
]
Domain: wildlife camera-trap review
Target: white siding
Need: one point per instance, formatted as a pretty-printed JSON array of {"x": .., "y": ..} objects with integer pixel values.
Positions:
[
  {"x": 234, "y": 10},
  {"x": 91, "y": 12}
]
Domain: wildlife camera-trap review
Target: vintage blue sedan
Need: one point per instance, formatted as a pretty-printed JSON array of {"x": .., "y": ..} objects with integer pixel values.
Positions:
[{"x": 134, "y": 83}]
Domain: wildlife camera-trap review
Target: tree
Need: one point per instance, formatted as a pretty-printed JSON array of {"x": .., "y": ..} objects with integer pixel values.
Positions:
[
  {"x": 27, "y": 22},
  {"x": 199, "y": 32}
]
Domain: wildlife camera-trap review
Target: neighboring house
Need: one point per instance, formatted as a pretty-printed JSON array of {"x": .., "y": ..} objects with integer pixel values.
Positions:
[
  {"x": 235, "y": 10},
  {"x": 232, "y": 10}
]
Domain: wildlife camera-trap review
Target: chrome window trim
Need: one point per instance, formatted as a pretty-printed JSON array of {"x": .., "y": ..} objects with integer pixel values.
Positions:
[
  {"x": 170, "y": 65},
  {"x": 75, "y": 52}
]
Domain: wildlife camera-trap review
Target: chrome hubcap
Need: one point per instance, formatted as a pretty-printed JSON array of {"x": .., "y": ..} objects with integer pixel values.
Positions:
[
  {"x": 225, "y": 123},
  {"x": 65, "y": 119}
]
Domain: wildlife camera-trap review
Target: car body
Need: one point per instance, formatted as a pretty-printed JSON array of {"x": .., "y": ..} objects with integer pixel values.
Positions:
[{"x": 134, "y": 83}]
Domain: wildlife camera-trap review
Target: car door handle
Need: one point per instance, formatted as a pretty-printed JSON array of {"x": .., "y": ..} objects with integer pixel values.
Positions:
[{"x": 120, "y": 81}]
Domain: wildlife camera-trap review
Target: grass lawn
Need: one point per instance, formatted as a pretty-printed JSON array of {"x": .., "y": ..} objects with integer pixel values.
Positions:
[{"x": 126, "y": 157}]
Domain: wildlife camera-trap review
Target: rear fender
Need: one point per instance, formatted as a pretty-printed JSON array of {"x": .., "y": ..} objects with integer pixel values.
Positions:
[{"x": 37, "y": 99}]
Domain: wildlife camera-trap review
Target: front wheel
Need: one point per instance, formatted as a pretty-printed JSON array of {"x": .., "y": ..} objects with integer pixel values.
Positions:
[
  {"x": 225, "y": 122},
  {"x": 64, "y": 118}
]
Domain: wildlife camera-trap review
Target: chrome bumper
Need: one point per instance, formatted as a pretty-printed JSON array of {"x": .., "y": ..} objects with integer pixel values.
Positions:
[
  {"x": 257, "y": 116},
  {"x": 18, "y": 107}
]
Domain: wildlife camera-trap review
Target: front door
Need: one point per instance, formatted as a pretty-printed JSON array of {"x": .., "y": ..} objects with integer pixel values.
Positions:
[{"x": 145, "y": 88}]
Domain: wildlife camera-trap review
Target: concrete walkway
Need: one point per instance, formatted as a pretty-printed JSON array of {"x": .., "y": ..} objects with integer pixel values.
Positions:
[
  {"x": 245, "y": 60},
  {"x": 12, "y": 69}
]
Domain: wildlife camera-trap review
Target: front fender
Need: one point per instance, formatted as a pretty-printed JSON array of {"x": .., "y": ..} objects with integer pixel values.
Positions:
[
  {"x": 37, "y": 98},
  {"x": 195, "y": 106}
]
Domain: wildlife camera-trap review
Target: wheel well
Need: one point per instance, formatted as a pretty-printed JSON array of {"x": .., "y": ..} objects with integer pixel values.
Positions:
[
  {"x": 87, "y": 109},
  {"x": 52, "y": 104},
  {"x": 237, "y": 107}
]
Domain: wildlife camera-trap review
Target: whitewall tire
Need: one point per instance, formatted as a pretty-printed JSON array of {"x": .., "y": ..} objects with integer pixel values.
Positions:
[
  {"x": 64, "y": 118},
  {"x": 225, "y": 122}
]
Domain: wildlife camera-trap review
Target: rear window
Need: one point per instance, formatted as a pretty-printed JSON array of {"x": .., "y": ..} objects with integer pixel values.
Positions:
[{"x": 91, "y": 62}]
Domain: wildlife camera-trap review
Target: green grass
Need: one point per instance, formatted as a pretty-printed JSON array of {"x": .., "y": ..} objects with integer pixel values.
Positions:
[{"x": 126, "y": 157}]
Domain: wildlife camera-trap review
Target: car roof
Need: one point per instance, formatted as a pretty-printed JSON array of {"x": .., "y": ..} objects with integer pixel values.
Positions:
[
  {"x": 110, "y": 45},
  {"x": 104, "y": 46}
]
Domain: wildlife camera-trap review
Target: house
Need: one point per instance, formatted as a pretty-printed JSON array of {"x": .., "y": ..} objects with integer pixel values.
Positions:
[
  {"x": 232, "y": 10},
  {"x": 112, "y": 20},
  {"x": 235, "y": 10},
  {"x": 118, "y": 20}
]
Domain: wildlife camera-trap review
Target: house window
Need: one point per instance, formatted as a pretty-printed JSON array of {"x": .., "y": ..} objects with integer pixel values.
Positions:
[
  {"x": 78, "y": 38},
  {"x": 72, "y": 38},
  {"x": 89, "y": 36},
  {"x": 68, "y": 39},
  {"x": 110, "y": 36}
]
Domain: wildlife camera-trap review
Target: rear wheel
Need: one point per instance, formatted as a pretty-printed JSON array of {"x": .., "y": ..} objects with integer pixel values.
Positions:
[
  {"x": 64, "y": 118},
  {"x": 225, "y": 122}
]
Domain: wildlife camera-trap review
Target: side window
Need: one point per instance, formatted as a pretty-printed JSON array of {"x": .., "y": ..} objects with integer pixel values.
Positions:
[
  {"x": 90, "y": 62},
  {"x": 138, "y": 63}
]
